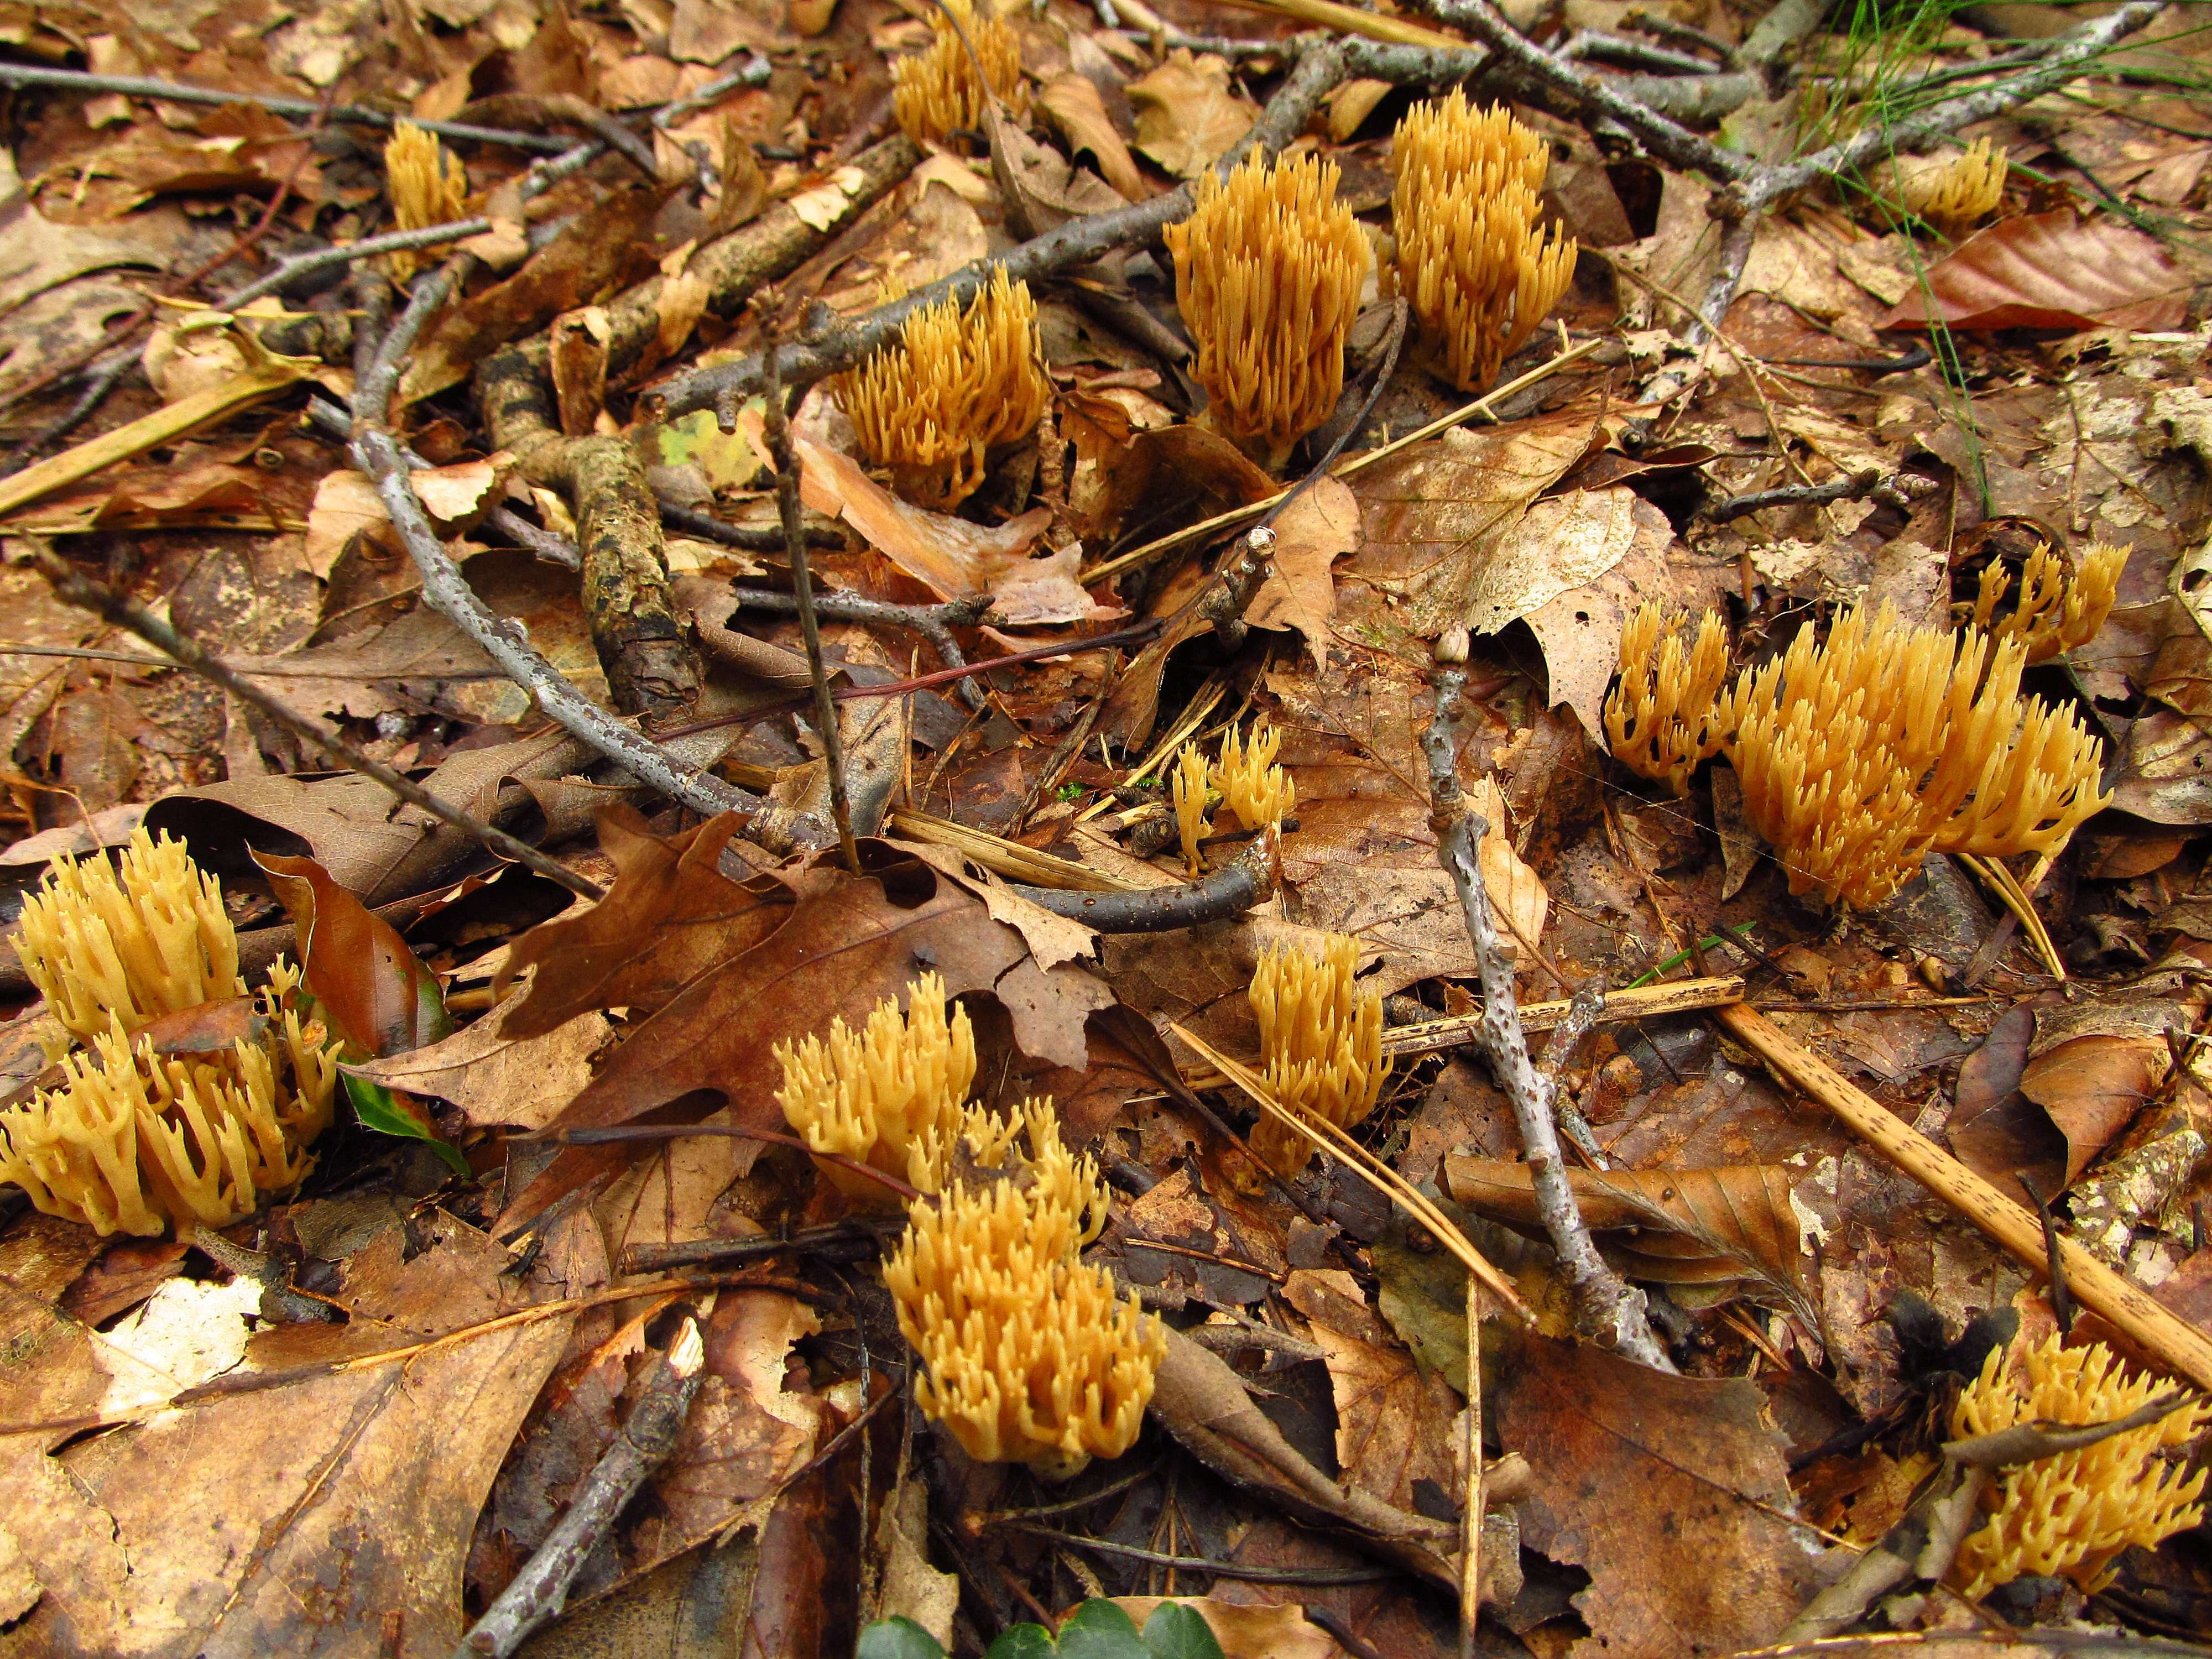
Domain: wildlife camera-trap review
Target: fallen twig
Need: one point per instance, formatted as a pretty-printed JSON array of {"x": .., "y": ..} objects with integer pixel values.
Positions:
[
  {"x": 777, "y": 432},
  {"x": 377, "y": 453},
  {"x": 1867, "y": 484},
  {"x": 934, "y": 623},
  {"x": 2176, "y": 1345},
  {"x": 81, "y": 590},
  {"x": 139, "y": 85},
  {"x": 537, "y": 1593},
  {"x": 1606, "y": 1305},
  {"x": 1228, "y": 891}
]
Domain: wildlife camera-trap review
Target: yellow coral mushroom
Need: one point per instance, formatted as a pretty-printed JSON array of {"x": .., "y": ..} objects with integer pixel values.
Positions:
[
  {"x": 956, "y": 385},
  {"x": 2074, "y": 1513},
  {"x": 133, "y": 1141},
  {"x": 1474, "y": 260},
  {"x": 2053, "y": 613},
  {"x": 1268, "y": 270},
  {"x": 133, "y": 940},
  {"x": 939, "y": 92},
  {"x": 890, "y": 1095},
  {"x": 1030, "y": 1357},
  {"x": 1860, "y": 754},
  {"x": 1321, "y": 1033},
  {"x": 1659, "y": 719},
  {"x": 1257, "y": 790},
  {"x": 1189, "y": 785},
  {"x": 426, "y": 185},
  {"x": 1951, "y": 194}
]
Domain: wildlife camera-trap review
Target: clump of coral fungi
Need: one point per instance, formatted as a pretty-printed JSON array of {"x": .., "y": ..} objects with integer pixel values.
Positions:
[
  {"x": 1659, "y": 719},
  {"x": 956, "y": 386},
  {"x": 426, "y": 185},
  {"x": 891, "y": 1096},
  {"x": 939, "y": 92},
  {"x": 1031, "y": 1356},
  {"x": 1257, "y": 790},
  {"x": 1321, "y": 1034},
  {"x": 1475, "y": 263},
  {"x": 1951, "y": 194},
  {"x": 2074, "y": 1513},
  {"x": 134, "y": 1141},
  {"x": 1268, "y": 270},
  {"x": 2052, "y": 613},
  {"x": 1191, "y": 781},
  {"x": 1861, "y": 754}
]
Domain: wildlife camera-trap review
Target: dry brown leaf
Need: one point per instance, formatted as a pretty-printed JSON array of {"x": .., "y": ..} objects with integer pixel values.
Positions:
[
  {"x": 2051, "y": 270},
  {"x": 2093, "y": 1067},
  {"x": 1072, "y": 103},
  {"x": 1187, "y": 117},
  {"x": 1314, "y": 531},
  {"x": 331, "y": 1513},
  {"x": 1517, "y": 892},
  {"x": 1246, "y": 1630},
  {"x": 1739, "y": 1221},
  {"x": 495, "y": 1079},
  {"x": 954, "y": 558},
  {"x": 1663, "y": 1488},
  {"x": 1434, "y": 514},
  {"x": 1394, "y": 1422}
]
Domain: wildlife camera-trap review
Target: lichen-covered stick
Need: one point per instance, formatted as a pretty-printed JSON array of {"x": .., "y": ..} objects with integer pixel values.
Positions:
[
  {"x": 377, "y": 453},
  {"x": 1609, "y": 1307},
  {"x": 537, "y": 1593}
]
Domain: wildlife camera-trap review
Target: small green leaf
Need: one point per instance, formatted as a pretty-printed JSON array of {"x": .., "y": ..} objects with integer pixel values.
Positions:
[
  {"x": 389, "y": 1114},
  {"x": 1099, "y": 1630},
  {"x": 898, "y": 1638},
  {"x": 1176, "y": 1631},
  {"x": 1022, "y": 1642}
]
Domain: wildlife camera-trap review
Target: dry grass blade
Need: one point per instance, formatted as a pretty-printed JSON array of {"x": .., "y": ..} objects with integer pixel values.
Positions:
[{"x": 1369, "y": 1168}]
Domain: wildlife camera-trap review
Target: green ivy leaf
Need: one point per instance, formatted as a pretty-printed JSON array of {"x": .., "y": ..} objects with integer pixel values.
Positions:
[
  {"x": 1176, "y": 1631},
  {"x": 1099, "y": 1630},
  {"x": 898, "y": 1638},
  {"x": 388, "y": 1113},
  {"x": 1022, "y": 1642}
]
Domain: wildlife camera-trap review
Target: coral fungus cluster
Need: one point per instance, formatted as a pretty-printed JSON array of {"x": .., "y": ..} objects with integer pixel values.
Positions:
[
  {"x": 939, "y": 92},
  {"x": 1860, "y": 754},
  {"x": 2074, "y": 1513},
  {"x": 956, "y": 384},
  {"x": 1475, "y": 262},
  {"x": 1246, "y": 776},
  {"x": 134, "y": 1139},
  {"x": 1032, "y": 1356},
  {"x": 426, "y": 185},
  {"x": 1321, "y": 1034},
  {"x": 1268, "y": 270},
  {"x": 1953, "y": 193}
]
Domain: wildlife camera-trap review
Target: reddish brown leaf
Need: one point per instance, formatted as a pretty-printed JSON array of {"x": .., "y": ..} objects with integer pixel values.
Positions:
[
  {"x": 1663, "y": 1488},
  {"x": 2051, "y": 270},
  {"x": 356, "y": 964}
]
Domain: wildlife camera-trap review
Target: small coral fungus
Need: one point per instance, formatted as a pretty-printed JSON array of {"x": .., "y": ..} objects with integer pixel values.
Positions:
[
  {"x": 940, "y": 92},
  {"x": 1659, "y": 719},
  {"x": 890, "y": 1095},
  {"x": 1321, "y": 1034},
  {"x": 1190, "y": 787},
  {"x": 1951, "y": 194},
  {"x": 956, "y": 386},
  {"x": 1257, "y": 790},
  {"x": 1475, "y": 259},
  {"x": 426, "y": 185},
  {"x": 129, "y": 941},
  {"x": 2053, "y": 612},
  {"x": 1031, "y": 1356},
  {"x": 1268, "y": 270},
  {"x": 2074, "y": 1513}
]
